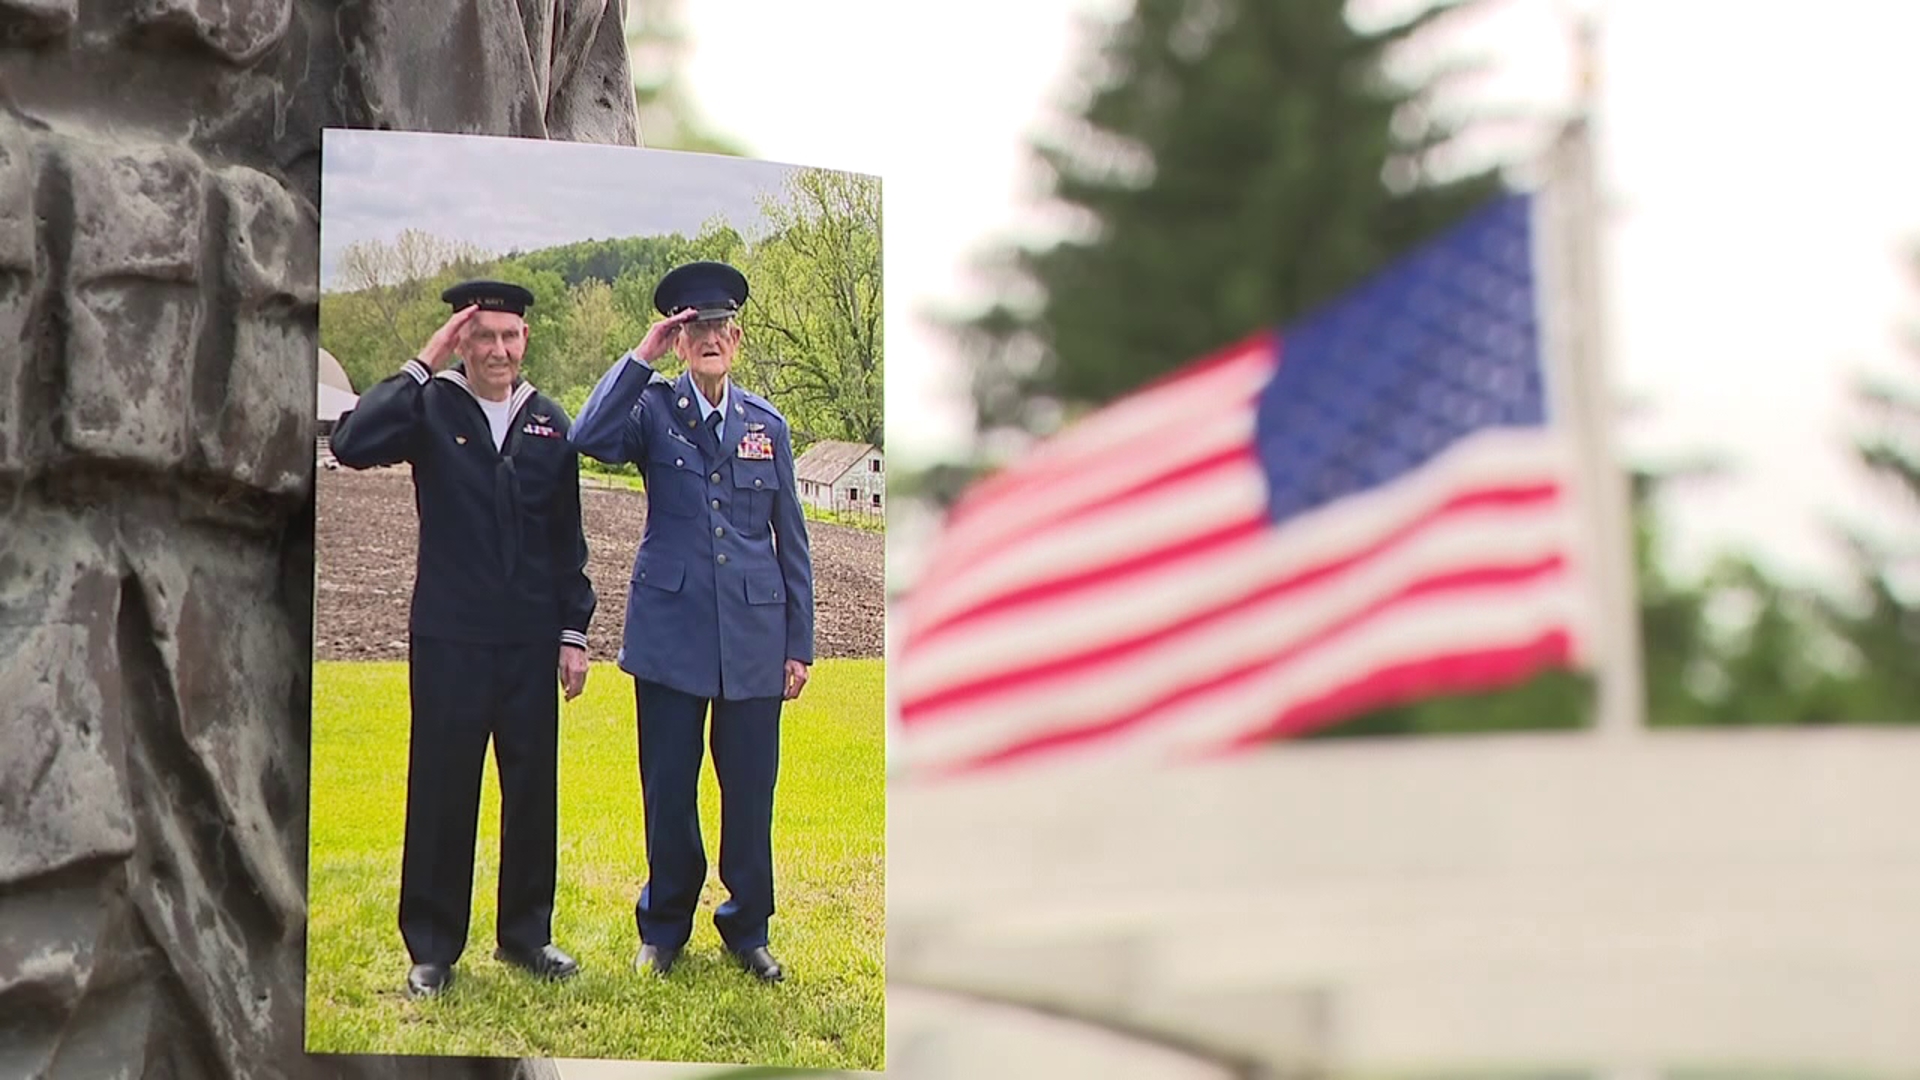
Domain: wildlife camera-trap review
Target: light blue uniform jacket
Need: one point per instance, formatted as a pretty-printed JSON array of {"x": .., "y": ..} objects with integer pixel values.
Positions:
[{"x": 722, "y": 589}]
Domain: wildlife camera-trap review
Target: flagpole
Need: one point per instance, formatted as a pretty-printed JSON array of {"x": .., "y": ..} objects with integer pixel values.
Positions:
[{"x": 1588, "y": 402}]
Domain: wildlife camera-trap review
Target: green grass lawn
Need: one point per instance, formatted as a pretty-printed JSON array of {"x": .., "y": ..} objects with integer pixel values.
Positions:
[{"x": 829, "y": 851}]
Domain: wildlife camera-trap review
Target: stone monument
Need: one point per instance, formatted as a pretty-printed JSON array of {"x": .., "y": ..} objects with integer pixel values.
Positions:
[{"x": 159, "y": 190}]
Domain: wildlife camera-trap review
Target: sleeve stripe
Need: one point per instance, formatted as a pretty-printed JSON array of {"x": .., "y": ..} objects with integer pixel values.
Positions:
[
  {"x": 417, "y": 370},
  {"x": 573, "y": 637}
]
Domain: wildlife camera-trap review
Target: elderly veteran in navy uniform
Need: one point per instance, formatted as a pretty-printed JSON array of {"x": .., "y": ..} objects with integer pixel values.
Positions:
[
  {"x": 501, "y": 603},
  {"x": 719, "y": 613}
]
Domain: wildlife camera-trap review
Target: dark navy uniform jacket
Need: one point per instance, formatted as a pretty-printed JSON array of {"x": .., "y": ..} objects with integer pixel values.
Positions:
[
  {"x": 722, "y": 591},
  {"x": 503, "y": 556}
]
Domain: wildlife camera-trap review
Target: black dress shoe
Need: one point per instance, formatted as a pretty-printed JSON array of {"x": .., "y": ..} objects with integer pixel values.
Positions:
[
  {"x": 426, "y": 980},
  {"x": 760, "y": 963},
  {"x": 546, "y": 962},
  {"x": 658, "y": 957}
]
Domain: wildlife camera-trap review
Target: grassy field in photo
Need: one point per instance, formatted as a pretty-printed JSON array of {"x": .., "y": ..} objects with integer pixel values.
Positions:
[{"x": 829, "y": 851}]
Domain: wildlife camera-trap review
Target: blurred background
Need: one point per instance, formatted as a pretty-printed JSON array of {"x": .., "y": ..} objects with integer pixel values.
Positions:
[{"x": 1082, "y": 196}]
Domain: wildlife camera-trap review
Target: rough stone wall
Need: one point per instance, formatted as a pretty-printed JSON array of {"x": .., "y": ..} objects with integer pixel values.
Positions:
[{"x": 159, "y": 189}]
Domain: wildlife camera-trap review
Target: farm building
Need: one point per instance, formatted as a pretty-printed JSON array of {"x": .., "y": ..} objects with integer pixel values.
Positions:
[
  {"x": 334, "y": 396},
  {"x": 335, "y": 391},
  {"x": 848, "y": 477}
]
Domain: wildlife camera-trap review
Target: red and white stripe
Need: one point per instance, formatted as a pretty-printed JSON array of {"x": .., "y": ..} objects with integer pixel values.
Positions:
[{"x": 1106, "y": 600}]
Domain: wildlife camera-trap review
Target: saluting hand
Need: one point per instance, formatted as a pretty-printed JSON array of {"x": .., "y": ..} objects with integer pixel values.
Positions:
[
  {"x": 573, "y": 670},
  {"x": 662, "y": 337},
  {"x": 796, "y": 678},
  {"x": 439, "y": 348}
]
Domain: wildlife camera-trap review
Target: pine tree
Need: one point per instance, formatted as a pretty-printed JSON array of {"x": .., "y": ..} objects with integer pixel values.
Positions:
[
  {"x": 1236, "y": 164},
  {"x": 1883, "y": 628}
]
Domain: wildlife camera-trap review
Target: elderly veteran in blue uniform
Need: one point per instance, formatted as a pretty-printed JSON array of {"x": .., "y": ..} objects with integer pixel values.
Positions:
[
  {"x": 719, "y": 613},
  {"x": 501, "y": 603}
]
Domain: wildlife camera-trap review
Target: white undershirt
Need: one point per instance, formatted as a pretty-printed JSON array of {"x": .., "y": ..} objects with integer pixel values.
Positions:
[{"x": 499, "y": 418}]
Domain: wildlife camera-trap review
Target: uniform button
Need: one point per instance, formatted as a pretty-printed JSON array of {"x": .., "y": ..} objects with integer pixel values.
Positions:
[
  {"x": 756, "y": 483},
  {"x": 721, "y": 558},
  {"x": 716, "y": 504},
  {"x": 679, "y": 461},
  {"x": 719, "y": 532},
  {"x": 715, "y": 478}
]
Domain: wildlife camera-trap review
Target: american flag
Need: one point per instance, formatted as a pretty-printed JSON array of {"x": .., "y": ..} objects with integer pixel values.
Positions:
[{"x": 1368, "y": 508}]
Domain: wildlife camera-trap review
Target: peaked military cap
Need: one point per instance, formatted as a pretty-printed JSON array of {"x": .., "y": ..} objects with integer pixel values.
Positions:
[
  {"x": 715, "y": 289},
  {"x": 490, "y": 295}
]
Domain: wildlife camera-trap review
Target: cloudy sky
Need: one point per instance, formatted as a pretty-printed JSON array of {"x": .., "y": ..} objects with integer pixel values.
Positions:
[
  {"x": 518, "y": 193},
  {"x": 1761, "y": 159}
]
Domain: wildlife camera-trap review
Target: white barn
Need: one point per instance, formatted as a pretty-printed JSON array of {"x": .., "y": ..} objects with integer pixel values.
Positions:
[
  {"x": 334, "y": 396},
  {"x": 334, "y": 390},
  {"x": 847, "y": 477}
]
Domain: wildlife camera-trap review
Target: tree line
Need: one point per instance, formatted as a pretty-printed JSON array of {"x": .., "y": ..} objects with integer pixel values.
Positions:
[{"x": 814, "y": 343}]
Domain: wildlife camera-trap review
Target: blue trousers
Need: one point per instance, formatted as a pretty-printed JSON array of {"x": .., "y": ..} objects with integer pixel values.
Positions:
[{"x": 745, "y": 739}]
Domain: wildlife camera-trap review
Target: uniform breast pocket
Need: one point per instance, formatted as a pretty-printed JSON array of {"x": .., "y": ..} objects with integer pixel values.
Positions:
[
  {"x": 754, "y": 483},
  {"x": 540, "y": 467},
  {"x": 674, "y": 484}
]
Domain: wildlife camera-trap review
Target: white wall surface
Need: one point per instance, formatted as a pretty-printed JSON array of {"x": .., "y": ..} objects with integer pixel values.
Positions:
[{"x": 1742, "y": 899}]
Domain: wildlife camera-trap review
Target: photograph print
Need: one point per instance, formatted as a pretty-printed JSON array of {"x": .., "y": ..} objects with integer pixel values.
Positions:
[{"x": 598, "y": 760}]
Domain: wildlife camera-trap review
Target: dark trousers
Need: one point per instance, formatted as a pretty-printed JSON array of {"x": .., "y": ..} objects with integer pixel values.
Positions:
[
  {"x": 746, "y": 761},
  {"x": 464, "y": 695}
]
